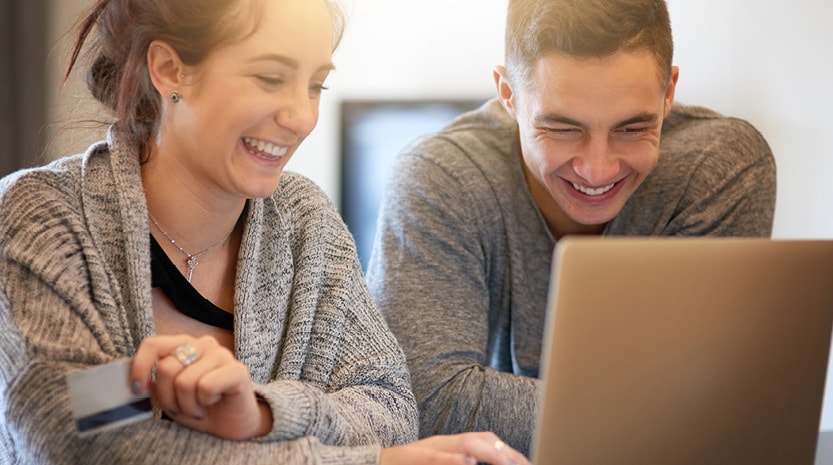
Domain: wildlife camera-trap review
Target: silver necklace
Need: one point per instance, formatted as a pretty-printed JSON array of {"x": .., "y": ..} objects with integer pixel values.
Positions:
[{"x": 191, "y": 260}]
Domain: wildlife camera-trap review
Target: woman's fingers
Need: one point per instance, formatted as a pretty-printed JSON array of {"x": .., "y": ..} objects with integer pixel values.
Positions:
[
  {"x": 175, "y": 387},
  {"x": 486, "y": 447},
  {"x": 204, "y": 383},
  {"x": 151, "y": 350},
  {"x": 180, "y": 386},
  {"x": 225, "y": 380},
  {"x": 200, "y": 384},
  {"x": 417, "y": 454},
  {"x": 480, "y": 447}
]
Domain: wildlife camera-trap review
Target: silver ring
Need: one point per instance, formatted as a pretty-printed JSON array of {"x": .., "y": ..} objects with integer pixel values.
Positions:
[
  {"x": 499, "y": 445},
  {"x": 186, "y": 354}
]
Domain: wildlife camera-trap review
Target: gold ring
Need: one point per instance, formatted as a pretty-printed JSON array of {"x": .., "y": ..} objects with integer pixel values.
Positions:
[
  {"x": 186, "y": 354},
  {"x": 499, "y": 445}
]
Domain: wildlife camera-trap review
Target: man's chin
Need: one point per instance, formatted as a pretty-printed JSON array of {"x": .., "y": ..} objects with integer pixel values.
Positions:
[{"x": 595, "y": 220}]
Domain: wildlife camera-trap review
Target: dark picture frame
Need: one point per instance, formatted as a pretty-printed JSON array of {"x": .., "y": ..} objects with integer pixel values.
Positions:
[{"x": 373, "y": 133}]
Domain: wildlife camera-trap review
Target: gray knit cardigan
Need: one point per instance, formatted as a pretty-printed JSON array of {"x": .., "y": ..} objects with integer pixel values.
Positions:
[{"x": 75, "y": 291}]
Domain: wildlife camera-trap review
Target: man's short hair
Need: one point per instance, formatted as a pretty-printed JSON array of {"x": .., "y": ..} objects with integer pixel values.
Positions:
[{"x": 584, "y": 29}]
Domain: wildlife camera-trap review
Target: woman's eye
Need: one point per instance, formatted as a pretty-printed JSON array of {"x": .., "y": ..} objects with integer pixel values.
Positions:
[
  {"x": 270, "y": 80},
  {"x": 316, "y": 89}
]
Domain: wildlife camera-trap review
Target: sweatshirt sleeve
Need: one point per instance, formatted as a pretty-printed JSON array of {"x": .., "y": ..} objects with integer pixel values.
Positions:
[{"x": 430, "y": 273}]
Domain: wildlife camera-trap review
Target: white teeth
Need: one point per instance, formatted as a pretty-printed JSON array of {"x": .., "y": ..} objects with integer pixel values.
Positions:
[
  {"x": 591, "y": 191},
  {"x": 265, "y": 147}
]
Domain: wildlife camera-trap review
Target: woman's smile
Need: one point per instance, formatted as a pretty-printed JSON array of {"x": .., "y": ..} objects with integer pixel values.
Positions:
[{"x": 266, "y": 150}]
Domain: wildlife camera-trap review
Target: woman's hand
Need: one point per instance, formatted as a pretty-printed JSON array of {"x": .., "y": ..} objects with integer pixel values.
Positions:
[
  {"x": 456, "y": 449},
  {"x": 200, "y": 384}
]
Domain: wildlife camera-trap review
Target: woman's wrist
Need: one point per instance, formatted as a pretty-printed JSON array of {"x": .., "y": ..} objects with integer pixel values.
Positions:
[{"x": 266, "y": 419}]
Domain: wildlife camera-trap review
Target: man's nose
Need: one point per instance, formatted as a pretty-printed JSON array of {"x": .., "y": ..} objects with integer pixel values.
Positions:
[{"x": 597, "y": 163}]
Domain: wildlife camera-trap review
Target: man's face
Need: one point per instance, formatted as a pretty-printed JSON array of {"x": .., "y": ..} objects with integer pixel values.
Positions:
[{"x": 589, "y": 133}]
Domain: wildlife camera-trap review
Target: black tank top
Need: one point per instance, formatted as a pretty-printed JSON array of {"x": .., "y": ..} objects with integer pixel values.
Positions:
[{"x": 185, "y": 298}]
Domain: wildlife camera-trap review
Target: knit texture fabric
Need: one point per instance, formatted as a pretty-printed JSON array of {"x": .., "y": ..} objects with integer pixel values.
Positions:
[{"x": 75, "y": 291}]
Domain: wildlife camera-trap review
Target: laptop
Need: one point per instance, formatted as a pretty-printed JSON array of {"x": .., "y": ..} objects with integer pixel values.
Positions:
[{"x": 671, "y": 351}]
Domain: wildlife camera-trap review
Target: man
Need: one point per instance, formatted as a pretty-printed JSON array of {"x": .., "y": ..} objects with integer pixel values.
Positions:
[{"x": 583, "y": 138}]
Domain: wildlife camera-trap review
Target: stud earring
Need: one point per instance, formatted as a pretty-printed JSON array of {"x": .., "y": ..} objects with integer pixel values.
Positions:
[{"x": 174, "y": 96}]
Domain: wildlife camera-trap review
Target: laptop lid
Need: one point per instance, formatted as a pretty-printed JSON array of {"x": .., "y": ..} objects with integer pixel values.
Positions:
[{"x": 666, "y": 351}]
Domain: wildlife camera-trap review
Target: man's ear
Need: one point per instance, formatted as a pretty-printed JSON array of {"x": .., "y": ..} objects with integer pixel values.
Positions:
[
  {"x": 671, "y": 88},
  {"x": 504, "y": 90},
  {"x": 165, "y": 68}
]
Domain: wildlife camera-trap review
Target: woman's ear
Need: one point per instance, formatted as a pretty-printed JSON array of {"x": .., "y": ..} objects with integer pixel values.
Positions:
[
  {"x": 165, "y": 68},
  {"x": 504, "y": 90}
]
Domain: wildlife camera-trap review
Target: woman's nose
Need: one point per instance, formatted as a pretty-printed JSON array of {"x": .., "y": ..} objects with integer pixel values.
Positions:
[{"x": 298, "y": 113}]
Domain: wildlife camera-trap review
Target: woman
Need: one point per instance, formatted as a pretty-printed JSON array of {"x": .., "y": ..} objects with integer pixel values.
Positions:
[{"x": 179, "y": 243}]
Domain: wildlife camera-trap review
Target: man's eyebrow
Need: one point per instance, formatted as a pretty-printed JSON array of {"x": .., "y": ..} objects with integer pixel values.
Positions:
[
  {"x": 557, "y": 119},
  {"x": 560, "y": 119},
  {"x": 642, "y": 118},
  {"x": 291, "y": 62}
]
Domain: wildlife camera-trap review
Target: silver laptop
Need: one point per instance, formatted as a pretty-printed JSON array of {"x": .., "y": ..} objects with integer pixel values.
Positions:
[{"x": 685, "y": 351}]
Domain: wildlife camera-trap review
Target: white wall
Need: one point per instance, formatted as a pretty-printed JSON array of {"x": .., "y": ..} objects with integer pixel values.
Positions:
[
  {"x": 764, "y": 60},
  {"x": 770, "y": 62},
  {"x": 404, "y": 49}
]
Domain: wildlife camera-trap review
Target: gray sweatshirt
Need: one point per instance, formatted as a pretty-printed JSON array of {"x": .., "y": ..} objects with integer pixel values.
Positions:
[
  {"x": 461, "y": 262},
  {"x": 75, "y": 291}
]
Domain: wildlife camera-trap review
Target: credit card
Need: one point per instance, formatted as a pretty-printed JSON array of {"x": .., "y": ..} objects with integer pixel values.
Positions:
[{"x": 101, "y": 398}]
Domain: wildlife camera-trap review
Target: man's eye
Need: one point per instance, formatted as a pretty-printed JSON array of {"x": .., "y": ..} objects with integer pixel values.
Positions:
[
  {"x": 563, "y": 132},
  {"x": 633, "y": 130}
]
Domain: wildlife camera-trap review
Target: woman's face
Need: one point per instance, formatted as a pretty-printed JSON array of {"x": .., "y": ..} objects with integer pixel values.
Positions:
[{"x": 248, "y": 106}]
